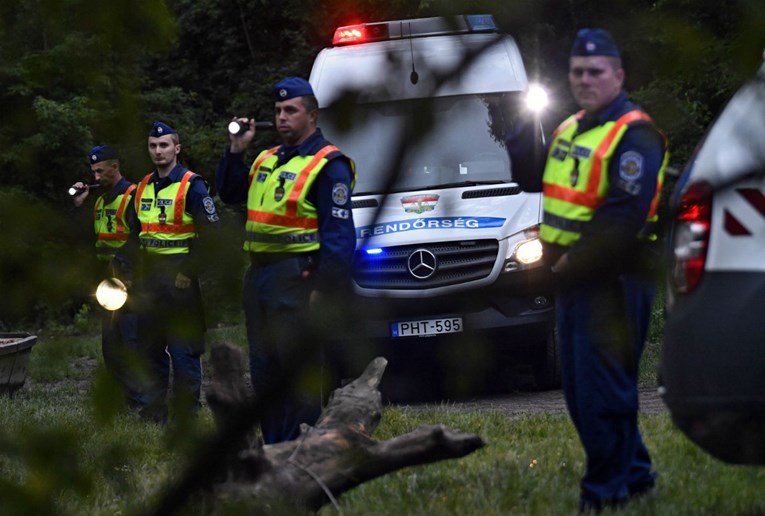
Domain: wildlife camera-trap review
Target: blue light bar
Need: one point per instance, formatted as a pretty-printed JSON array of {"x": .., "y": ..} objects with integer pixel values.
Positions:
[{"x": 374, "y": 250}]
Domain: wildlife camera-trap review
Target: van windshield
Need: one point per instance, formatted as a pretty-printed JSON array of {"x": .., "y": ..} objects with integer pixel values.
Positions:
[{"x": 465, "y": 143}]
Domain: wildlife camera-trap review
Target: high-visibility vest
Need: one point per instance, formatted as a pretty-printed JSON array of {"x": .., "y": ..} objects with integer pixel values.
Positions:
[
  {"x": 166, "y": 227},
  {"x": 279, "y": 218},
  {"x": 575, "y": 181},
  {"x": 110, "y": 224}
]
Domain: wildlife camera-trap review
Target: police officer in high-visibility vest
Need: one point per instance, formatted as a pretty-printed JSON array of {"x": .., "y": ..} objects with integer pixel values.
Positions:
[
  {"x": 601, "y": 184},
  {"x": 119, "y": 337},
  {"x": 300, "y": 239},
  {"x": 173, "y": 207}
]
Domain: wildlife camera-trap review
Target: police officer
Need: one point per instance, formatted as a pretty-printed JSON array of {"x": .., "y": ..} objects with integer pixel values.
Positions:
[
  {"x": 601, "y": 185},
  {"x": 173, "y": 208},
  {"x": 300, "y": 239},
  {"x": 119, "y": 330}
]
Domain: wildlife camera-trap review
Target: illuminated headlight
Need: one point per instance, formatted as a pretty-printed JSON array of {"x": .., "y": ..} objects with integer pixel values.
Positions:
[
  {"x": 111, "y": 294},
  {"x": 529, "y": 252},
  {"x": 536, "y": 98}
]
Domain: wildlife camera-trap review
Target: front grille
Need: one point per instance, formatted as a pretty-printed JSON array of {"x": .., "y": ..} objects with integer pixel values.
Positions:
[
  {"x": 457, "y": 262},
  {"x": 492, "y": 192}
]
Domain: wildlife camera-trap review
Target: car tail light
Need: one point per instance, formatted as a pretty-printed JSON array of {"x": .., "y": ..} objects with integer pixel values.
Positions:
[{"x": 691, "y": 237}]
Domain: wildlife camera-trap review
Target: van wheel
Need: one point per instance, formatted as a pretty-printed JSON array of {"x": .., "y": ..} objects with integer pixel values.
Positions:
[{"x": 546, "y": 363}]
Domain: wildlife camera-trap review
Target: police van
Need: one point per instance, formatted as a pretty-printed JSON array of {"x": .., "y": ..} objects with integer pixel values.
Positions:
[
  {"x": 448, "y": 266},
  {"x": 712, "y": 371}
]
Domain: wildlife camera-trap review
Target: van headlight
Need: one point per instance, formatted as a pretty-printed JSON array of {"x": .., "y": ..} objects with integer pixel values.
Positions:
[
  {"x": 529, "y": 252},
  {"x": 524, "y": 250}
]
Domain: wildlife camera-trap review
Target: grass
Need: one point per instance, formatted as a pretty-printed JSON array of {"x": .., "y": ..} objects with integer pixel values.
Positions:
[{"x": 64, "y": 451}]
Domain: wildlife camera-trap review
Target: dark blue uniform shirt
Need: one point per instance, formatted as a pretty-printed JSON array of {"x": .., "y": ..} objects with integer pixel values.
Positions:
[{"x": 337, "y": 235}]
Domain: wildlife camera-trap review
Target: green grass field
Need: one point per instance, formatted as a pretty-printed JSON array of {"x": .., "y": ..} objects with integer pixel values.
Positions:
[{"x": 64, "y": 449}]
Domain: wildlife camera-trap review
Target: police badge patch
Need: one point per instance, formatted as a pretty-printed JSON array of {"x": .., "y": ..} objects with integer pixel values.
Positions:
[
  {"x": 209, "y": 205},
  {"x": 340, "y": 194},
  {"x": 631, "y": 166}
]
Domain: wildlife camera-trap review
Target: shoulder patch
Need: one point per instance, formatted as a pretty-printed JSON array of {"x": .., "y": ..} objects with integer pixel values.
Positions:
[
  {"x": 340, "y": 194},
  {"x": 341, "y": 213},
  {"x": 209, "y": 205},
  {"x": 631, "y": 166}
]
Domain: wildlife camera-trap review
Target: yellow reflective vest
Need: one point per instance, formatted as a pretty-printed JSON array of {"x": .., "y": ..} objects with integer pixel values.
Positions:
[
  {"x": 166, "y": 227},
  {"x": 279, "y": 218},
  {"x": 575, "y": 186},
  {"x": 110, "y": 224}
]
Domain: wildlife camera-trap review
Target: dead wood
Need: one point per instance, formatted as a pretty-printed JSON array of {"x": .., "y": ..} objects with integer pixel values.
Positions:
[{"x": 330, "y": 458}]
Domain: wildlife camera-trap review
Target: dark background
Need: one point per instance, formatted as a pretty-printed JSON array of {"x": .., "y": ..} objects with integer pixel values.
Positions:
[{"x": 77, "y": 73}]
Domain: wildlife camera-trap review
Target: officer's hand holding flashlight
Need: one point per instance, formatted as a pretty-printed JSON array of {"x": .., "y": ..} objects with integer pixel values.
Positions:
[
  {"x": 79, "y": 192},
  {"x": 241, "y": 131}
]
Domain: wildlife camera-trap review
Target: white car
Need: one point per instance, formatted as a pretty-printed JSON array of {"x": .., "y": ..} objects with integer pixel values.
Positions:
[{"x": 712, "y": 371}]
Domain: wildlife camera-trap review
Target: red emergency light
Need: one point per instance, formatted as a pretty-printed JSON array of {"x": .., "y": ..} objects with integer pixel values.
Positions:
[{"x": 349, "y": 35}]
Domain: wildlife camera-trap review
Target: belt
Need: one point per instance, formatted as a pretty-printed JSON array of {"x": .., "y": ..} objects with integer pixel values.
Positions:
[{"x": 260, "y": 259}]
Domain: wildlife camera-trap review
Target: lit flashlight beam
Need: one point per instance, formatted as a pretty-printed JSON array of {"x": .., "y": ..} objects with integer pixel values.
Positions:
[{"x": 111, "y": 294}]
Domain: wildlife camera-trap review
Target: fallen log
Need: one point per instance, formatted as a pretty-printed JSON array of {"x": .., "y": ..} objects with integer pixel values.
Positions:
[{"x": 335, "y": 455}]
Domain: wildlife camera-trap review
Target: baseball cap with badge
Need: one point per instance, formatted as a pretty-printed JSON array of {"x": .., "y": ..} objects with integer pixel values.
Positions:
[
  {"x": 101, "y": 153},
  {"x": 594, "y": 42},
  {"x": 291, "y": 87},
  {"x": 160, "y": 129}
]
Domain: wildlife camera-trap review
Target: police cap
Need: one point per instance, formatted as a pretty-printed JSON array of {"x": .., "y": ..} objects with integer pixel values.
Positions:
[
  {"x": 594, "y": 42},
  {"x": 101, "y": 153},
  {"x": 160, "y": 129},
  {"x": 291, "y": 87}
]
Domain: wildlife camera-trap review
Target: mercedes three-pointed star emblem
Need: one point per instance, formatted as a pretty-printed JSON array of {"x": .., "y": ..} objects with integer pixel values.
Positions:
[{"x": 422, "y": 264}]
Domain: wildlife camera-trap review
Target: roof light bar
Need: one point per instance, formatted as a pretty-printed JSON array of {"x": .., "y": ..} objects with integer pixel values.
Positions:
[{"x": 417, "y": 27}]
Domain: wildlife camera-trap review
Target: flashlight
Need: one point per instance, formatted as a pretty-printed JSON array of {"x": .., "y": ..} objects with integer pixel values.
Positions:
[
  {"x": 238, "y": 128},
  {"x": 111, "y": 294},
  {"x": 537, "y": 99},
  {"x": 75, "y": 191}
]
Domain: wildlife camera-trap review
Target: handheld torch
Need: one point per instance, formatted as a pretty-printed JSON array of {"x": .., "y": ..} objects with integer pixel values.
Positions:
[
  {"x": 75, "y": 191},
  {"x": 236, "y": 127}
]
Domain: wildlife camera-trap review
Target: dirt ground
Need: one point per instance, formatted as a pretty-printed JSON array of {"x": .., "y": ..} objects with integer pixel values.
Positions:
[{"x": 536, "y": 403}]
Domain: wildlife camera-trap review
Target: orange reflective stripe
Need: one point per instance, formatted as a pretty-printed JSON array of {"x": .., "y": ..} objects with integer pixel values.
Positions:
[
  {"x": 180, "y": 197},
  {"x": 139, "y": 193},
  {"x": 562, "y": 193},
  {"x": 292, "y": 202},
  {"x": 169, "y": 228},
  {"x": 253, "y": 170},
  {"x": 605, "y": 145},
  {"x": 265, "y": 217},
  {"x": 121, "y": 209},
  {"x": 112, "y": 236},
  {"x": 562, "y": 127}
]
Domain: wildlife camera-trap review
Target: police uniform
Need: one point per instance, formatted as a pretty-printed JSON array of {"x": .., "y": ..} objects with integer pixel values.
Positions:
[
  {"x": 601, "y": 185},
  {"x": 300, "y": 237},
  {"x": 171, "y": 212},
  {"x": 119, "y": 328}
]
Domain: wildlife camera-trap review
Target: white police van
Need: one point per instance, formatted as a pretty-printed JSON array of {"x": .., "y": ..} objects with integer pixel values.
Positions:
[
  {"x": 448, "y": 264},
  {"x": 712, "y": 371}
]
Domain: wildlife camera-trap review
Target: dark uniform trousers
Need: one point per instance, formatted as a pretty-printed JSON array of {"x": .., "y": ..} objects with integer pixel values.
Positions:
[
  {"x": 602, "y": 328},
  {"x": 121, "y": 351},
  {"x": 283, "y": 350},
  {"x": 171, "y": 330}
]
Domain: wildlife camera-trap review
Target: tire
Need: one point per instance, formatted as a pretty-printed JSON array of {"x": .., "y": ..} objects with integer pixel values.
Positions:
[{"x": 546, "y": 363}]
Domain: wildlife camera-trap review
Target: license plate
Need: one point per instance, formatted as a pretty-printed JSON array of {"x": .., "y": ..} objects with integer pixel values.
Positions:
[{"x": 426, "y": 327}]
